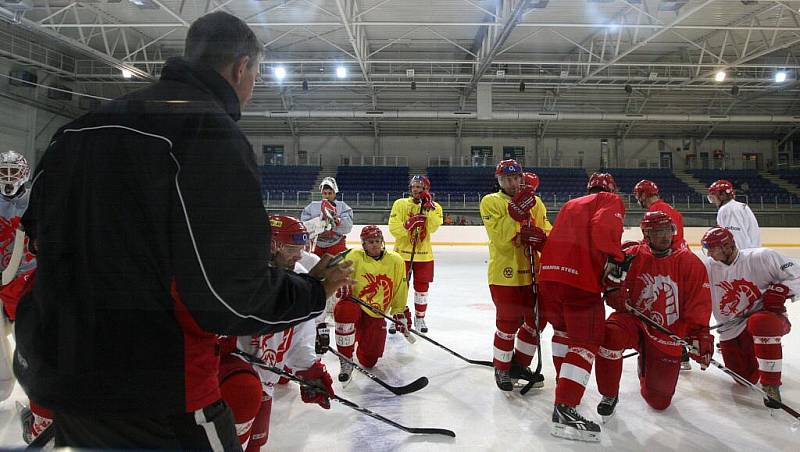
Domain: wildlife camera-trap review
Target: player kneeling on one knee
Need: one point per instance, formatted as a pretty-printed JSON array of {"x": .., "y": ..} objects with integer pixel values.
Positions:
[
  {"x": 668, "y": 284},
  {"x": 248, "y": 391},
  {"x": 748, "y": 290},
  {"x": 379, "y": 276}
]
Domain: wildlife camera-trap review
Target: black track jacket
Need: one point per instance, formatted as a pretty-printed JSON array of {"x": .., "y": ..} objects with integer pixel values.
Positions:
[{"x": 151, "y": 237}]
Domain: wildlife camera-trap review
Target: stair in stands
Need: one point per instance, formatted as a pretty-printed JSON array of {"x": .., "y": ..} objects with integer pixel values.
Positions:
[
  {"x": 691, "y": 181},
  {"x": 780, "y": 182}
]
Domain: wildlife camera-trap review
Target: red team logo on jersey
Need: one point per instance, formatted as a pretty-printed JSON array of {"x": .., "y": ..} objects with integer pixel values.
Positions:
[
  {"x": 658, "y": 298},
  {"x": 739, "y": 295},
  {"x": 8, "y": 231},
  {"x": 269, "y": 355},
  {"x": 375, "y": 285}
]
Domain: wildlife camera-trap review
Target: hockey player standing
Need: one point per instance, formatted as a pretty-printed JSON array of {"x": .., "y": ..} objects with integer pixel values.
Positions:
[
  {"x": 515, "y": 221},
  {"x": 328, "y": 220},
  {"x": 670, "y": 286},
  {"x": 748, "y": 290},
  {"x": 581, "y": 258},
  {"x": 412, "y": 221},
  {"x": 247, "y": 390},
  {"x": 380, "y": 280},
  {"x": 646, "y": 194},
  {"x": 734, "y": 215}
]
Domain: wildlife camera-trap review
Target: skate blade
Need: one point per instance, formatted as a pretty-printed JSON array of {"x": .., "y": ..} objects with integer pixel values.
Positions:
[
  {"x": 562, "y": 431},
  {"x": 686, "y": 366}
]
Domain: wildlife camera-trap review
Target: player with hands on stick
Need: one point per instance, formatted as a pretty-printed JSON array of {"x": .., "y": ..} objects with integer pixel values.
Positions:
[
  {"x": 412, "y": 221},
  {"x": 669, "y": 285},
  {"x": 328, "y": 220},
  {"x": 756, "y": 281},
  {"x": 249, "y": 392},
  {"x": 514, "y": 219},
  {"x": 379, "y": 279}
]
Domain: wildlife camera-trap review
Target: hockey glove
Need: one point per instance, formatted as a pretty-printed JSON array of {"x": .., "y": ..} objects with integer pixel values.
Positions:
[
  {"x": 415, "y": 221},
  {"x": 322, "y": 343},
  {"x": 402, "y": 321},
  {"x": 775, "y": 297},
  {"x": 519, "y": 208},
  {"x": 532, "y": 236},
  {"x": 344, "y": 292},
  {"x": 426, "y": 200},
  {"x": 629, "y": 244},
  {"x": 617, "y": 298},
  {"x": 615, "y": 272},
  {"x": 316, "y": 375},
  {"x": 702, "y": 343},
  {"x": 328, "y": 214}
]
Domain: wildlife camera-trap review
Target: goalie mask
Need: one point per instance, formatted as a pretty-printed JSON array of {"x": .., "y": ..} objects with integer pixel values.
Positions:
[{"x": 14, "y": 172}]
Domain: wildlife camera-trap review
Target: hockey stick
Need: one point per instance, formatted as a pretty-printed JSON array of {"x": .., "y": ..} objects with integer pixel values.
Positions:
[
  {"x": 377, "y": 311},
  {"x": 734, "y": 375},
  {"x": 414, "y": 386},
  {"x": 535, "y": 298},
  {"x": 414, "y": 241},
  {"x": 419, "y": 431},
  {"x": 731, "y": 321}
]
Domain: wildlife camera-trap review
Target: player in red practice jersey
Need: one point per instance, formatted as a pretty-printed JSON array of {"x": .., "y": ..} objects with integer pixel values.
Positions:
[
  {"x": 671, "y": 287},
  {"x": 581, "y": 257},
  {"x": 647, "y": 195}
]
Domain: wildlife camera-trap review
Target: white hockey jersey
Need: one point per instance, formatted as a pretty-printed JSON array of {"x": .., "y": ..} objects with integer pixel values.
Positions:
[
  {"x": 292, "y": 347},
  {"x": 736, "y": 289},
  {"x": 739, "y": 219},
  {"x": 312, "y": 219}
]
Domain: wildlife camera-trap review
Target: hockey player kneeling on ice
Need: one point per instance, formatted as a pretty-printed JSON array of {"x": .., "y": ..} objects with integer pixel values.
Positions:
[
  {"x": 516, "y": 223},
  {"x": 670, "y": 286},
  {"x": 248, "y": 391},
  {"x": 748, "y": 290},
  {"x": 581, "y": 256},
  {"x": 379, "y": 276}
]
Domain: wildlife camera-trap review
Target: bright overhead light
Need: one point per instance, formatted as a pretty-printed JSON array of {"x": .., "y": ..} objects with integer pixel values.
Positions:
[
  {"x": 127, "y": 74},
  {"x": 780, "y": 77},
  {"x": 280, "y": 72},
  {"x": 341, "y": 71},
  {"x": 720, "y": 76}
]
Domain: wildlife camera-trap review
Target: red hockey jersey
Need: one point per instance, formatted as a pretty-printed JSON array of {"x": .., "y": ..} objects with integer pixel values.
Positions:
[
  {"x": 662, "y": 206},
  {"x": 586, "y": 232},
  {"x": 672, "y": 290}
]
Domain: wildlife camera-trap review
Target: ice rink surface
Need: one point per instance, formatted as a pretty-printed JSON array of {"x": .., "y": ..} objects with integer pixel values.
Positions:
[{"x": 708, "y": 412}]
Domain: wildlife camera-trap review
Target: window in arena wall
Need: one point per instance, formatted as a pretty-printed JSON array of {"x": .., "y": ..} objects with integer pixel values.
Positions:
[
  {"x": 482, "y": 156},
  {"x": 514, "y": 152},
  {"x": 273, "y": 154}
]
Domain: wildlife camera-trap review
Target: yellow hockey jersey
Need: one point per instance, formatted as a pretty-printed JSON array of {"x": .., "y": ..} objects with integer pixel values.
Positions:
[
  {"x": 509, "y": 264},
  {"x": 380, "y": 283},
  {"x": 402, "y": 210}
]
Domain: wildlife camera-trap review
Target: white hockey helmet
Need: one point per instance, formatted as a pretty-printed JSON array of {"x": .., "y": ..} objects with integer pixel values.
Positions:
[
  {"x": 329, "y": 182},
  {"x": 14, "y": 172}
]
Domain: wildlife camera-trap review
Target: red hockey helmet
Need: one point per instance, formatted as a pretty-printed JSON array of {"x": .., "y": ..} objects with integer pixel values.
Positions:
[
  {"x": 645, "y": 188},
  {"x": 721, "y": 187},
  {"x": 531, "y": 180},
  {"x": 656, "y": 220},
  {"x": 507, "y": 167},
  {"x": 420, "y": 179},
  {"x": 370, "y": 231},
  {"x": 717, "y": 236},
  {"x": 603, "y": 181},
  {"x": 288, "y": 230}
]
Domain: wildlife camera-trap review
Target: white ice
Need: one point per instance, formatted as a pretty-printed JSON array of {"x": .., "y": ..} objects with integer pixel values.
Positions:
[{"x": 708, "y": 411}]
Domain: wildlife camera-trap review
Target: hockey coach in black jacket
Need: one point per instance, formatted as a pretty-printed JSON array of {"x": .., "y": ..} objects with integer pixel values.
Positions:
[{"x": 148, "y": 224}]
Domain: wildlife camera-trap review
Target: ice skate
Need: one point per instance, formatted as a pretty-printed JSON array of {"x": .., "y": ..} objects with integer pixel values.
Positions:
[
  {"x": 419, "y": 324},
  {"x": 518, "y": 372},
  {"x": 345, "y": 373},
  {"x": 569, "y": 424},
  {"x": 503, "y": 380},
  {"x": 606, "y": 407},
  {"x": 774, "y": 391}
]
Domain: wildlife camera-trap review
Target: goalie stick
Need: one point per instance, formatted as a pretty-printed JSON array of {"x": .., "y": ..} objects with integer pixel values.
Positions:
[
  {"x": 418, "y": 431},
  {"x": 414, "y": 386},
  {"x": 718, "y": 365}
]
